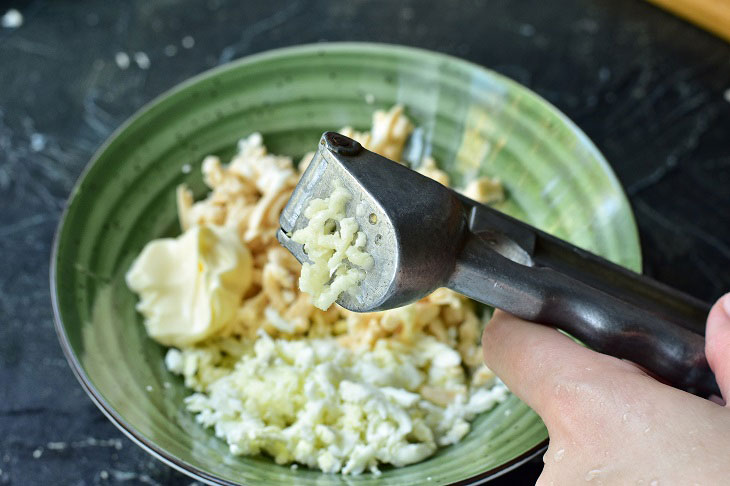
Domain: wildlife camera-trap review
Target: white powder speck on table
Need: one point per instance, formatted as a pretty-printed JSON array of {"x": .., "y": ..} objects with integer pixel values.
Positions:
[
  {"x": 122, "y": 60},
  {"x": 142, "y": 60},
  {"x": 170, "y": 50},
  {"x": 604, "y": 74},
  {"x": 122, "y": 476},
  {"x": 12, "y": 19},
  {"x": 526, "y": 30},
  {"x": 37, "y": 142},
  {"x": 188, "y": 42}
]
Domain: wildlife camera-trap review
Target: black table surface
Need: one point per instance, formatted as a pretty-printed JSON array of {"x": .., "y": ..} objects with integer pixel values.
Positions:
[{"x": 652, "y": 91}]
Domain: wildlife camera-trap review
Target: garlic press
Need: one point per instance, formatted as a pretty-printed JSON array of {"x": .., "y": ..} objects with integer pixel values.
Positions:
[{"x": 423, "y": 235}]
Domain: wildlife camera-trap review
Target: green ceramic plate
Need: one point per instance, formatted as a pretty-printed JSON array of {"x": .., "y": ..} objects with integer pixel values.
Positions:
[{"x": 473, "y": 121}]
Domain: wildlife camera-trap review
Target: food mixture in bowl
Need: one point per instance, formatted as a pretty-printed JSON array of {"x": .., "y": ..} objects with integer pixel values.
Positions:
[{"x": 275, "y": 371}]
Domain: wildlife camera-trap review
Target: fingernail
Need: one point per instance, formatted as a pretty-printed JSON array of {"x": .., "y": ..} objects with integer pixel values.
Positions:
[{"x": 726, "y": 304}]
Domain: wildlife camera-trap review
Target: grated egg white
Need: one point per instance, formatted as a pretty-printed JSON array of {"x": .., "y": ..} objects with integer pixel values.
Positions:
[{"x": 317, "y": 403}]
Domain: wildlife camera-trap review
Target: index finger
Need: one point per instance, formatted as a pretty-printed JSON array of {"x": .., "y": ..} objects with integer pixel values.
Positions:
[{"x": 539, "y": 364}]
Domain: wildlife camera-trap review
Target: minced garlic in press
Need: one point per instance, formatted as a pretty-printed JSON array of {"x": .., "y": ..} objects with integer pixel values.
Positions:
[{"x": 335, "y": 245}]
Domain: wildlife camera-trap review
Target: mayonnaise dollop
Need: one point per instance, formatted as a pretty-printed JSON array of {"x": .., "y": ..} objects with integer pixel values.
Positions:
[{"x": 190, "y": 287}]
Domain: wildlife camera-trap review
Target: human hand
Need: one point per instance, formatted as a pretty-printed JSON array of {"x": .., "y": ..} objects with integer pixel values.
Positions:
[{"x": 609, "y": 422}]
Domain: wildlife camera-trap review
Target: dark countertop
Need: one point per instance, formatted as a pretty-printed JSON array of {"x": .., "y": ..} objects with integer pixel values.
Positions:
[{"x": 652, "y": 91}]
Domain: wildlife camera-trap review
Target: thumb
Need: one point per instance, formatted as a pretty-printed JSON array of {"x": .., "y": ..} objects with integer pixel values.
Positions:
[{"x": 717, "y": 344}]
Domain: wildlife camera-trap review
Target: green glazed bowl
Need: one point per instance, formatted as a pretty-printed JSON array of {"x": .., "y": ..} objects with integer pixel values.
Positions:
[{"x": 474, "y": 122}]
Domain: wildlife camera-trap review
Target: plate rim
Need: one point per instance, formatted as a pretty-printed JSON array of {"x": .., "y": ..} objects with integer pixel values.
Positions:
[{"x": 130, "y": 431}]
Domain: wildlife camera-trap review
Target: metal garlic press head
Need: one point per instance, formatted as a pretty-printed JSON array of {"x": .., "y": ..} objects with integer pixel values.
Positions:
[
  {"x": 423, "y": 235},
  {"x": 414, "y": 225}
]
